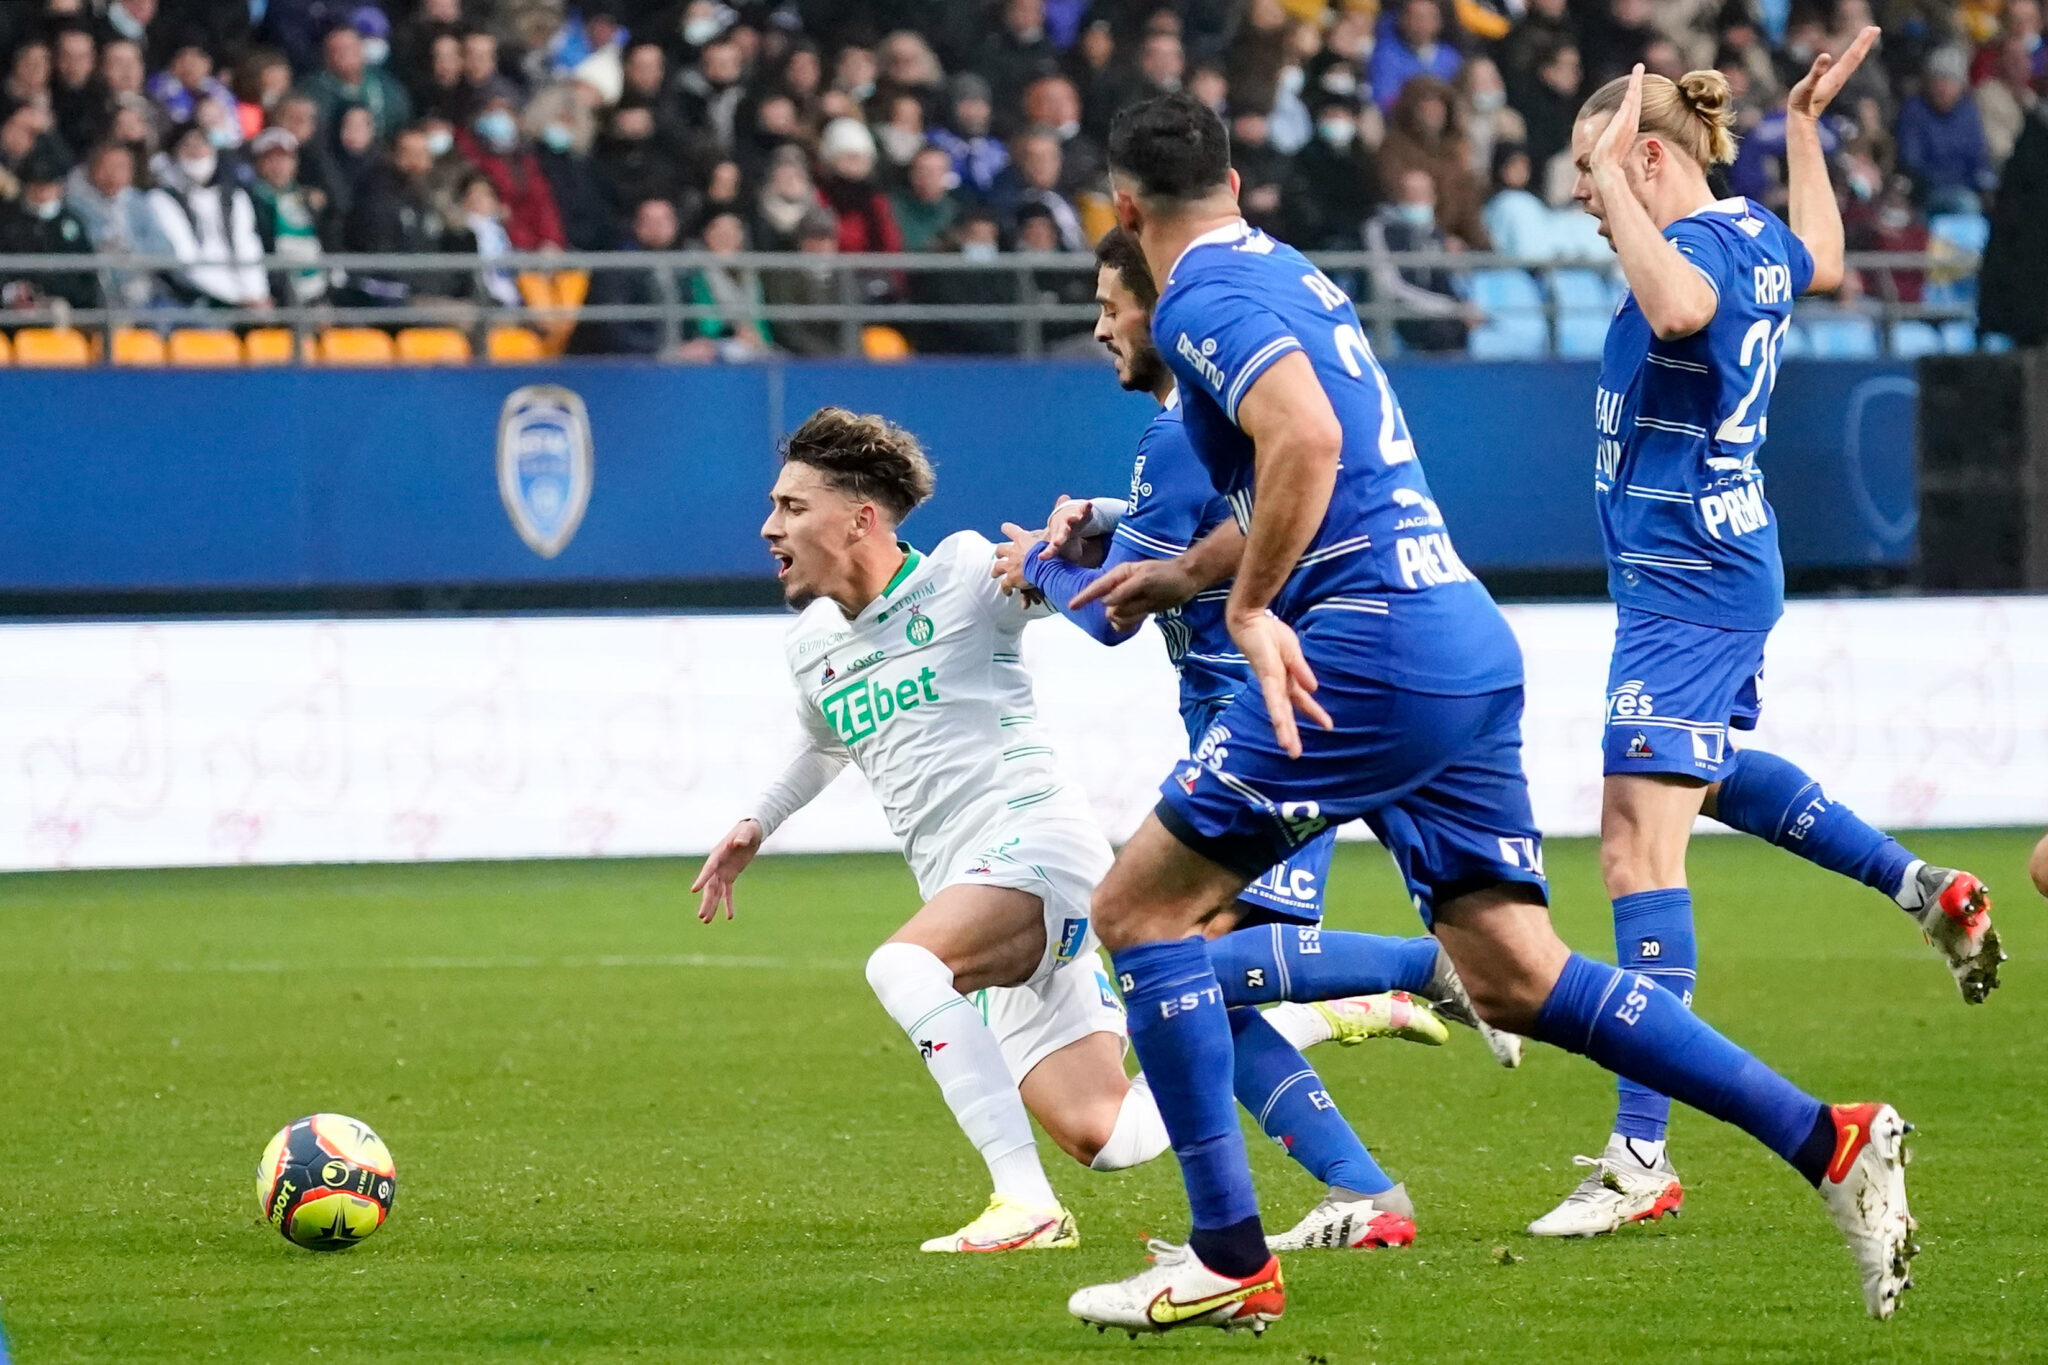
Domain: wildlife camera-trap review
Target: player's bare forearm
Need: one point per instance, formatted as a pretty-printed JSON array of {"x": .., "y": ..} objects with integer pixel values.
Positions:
[
  {"x": 1816, "y": 219},
  {"x": 1675, "y": 298},
  {"x": 1296, "y": 441},
  {"x": 1214, "y": 558}
]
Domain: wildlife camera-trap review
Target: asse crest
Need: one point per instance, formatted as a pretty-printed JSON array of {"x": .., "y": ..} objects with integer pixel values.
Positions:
[{"x": 919, "y": 630}]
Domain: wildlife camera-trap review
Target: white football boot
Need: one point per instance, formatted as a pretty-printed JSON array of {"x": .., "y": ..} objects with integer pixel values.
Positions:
[
  {"x": 1447, "y": 993},
  {"x": 1865, "y": 1190},
  {"x": 1008, "y": 1226},
  {"x": 1179, "y": 1291},
  {"x": 1356, "y": 1221},
  {"x": 1955, "y": 914},
  {"x": 1618, "y": 1190}
]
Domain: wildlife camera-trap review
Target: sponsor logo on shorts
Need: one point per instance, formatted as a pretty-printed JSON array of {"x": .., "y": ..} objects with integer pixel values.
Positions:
[
  {"x": 1188, "y": 776},
  {"x": 1638, "y": 747},
  {"x": 1629, "y": 701}
]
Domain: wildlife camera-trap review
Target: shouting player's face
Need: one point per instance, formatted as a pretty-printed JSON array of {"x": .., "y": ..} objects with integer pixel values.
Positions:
[
  {"x": 1125, "y": 331},
  {"x": 811, "y": 530}
]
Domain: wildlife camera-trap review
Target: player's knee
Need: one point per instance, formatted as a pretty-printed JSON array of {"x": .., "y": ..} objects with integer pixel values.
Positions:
[
  {"x": 2038, "y": 866},
  {"x": 898, "y": 972}
]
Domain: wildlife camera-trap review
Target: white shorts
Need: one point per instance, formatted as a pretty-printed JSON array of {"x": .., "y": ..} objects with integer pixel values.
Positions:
[
  {"x": 1033, "y": 1022},
  {"x": 1059, "y": 859}
]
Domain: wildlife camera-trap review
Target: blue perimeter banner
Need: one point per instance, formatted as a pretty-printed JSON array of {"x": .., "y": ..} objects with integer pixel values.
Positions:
[{"x": 170, "y": 479}]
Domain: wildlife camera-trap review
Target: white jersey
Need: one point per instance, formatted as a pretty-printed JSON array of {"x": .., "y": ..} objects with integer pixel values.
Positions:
[{"x": 926, "y": 691}]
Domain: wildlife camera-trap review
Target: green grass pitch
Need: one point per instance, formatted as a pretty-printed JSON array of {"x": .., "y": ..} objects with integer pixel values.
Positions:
[{"x": 610, "y": 1147}]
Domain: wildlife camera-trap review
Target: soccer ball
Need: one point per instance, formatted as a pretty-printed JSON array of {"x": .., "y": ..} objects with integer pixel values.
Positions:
[{"x": 326, "y": 1182}]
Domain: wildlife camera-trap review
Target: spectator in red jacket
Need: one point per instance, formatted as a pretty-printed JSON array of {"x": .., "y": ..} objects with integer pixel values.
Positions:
[
  {"x": 494, "y": 144},
  {"x": 847, "y": 187}
]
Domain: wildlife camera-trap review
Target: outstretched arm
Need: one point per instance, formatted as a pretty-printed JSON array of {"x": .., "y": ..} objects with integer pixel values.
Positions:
[
  {"x": 1131, "y": 592},
  {"x": 1816, "y": 217},
  {"x": 1059, "y": 582}
]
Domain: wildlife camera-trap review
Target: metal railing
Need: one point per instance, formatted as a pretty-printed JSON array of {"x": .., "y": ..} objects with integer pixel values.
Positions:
[{"x": 1032, "y": 302}]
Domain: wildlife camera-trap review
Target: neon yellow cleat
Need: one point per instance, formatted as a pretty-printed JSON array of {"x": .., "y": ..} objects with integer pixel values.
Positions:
[
  {"x": 1395, "y": 1014},
  {"x": 1006, "y": 1226}
]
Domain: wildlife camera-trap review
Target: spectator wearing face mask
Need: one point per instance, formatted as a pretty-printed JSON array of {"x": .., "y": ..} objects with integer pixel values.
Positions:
[
  {"x": 1491, "y": 121},
  {"x": 1426, "y": 133},
  {"x": 493, "y": 143},
  {"x": 786, "y": 198},
  {"x": 976, "y": 236},
  {"x": 1890, "y": 224},
  {"x": 1339, "y": 182},
  {"x": 562, "y": 128},
  {"x": 40, "y": 224},
  {"x": 818, "y": 237},
  {"x": 1408, "y": 223},
  {"x": 117, "y": 217},
  {"x": 346, "y": 77},
  {"x": 1410, "y": 45},
  {"x": 211, "y": 225}
]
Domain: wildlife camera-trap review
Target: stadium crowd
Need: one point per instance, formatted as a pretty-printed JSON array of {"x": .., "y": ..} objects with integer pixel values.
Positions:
[{"x": 223, "y": 131}]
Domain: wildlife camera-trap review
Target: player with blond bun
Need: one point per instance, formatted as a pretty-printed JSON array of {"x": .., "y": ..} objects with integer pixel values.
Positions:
[{"x": 1693, "y": 566}]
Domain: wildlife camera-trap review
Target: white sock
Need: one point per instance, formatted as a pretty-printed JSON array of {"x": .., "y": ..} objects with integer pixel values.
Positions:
[
  {"x": 1139, "y": 1135},
  {"x": 1299, "y": 1025},
  {"x": 962, "y": 1054},
  {"x": 1908, "y": 895},
  {"x": 1642, "y": 1151}
]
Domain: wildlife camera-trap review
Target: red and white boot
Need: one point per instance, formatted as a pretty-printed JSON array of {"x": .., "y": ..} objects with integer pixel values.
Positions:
[{"x": 1179, "y": 1291}]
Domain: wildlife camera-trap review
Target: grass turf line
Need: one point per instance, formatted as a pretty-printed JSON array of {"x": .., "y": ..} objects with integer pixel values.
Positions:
[{"x": 622, "y": 1135}]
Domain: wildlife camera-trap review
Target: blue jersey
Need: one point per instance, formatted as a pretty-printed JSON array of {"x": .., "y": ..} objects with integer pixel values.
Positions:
[
  {"x": 1679, "y": 424},
  {"x": 1173, "y": 505},
  {"x": 1380, "y": 584}
]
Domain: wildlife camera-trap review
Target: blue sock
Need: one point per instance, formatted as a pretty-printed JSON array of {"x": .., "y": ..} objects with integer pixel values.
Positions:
[
  {"x": 1635, "y": 1028},
  {"x": 1282, "y": 1091},
  {"x": 1777, "y": 802},
  {"x": 1292, "y": 962},
  {"x": 1183, "y": 1040},
  {"x": 1653, "y": 935}
]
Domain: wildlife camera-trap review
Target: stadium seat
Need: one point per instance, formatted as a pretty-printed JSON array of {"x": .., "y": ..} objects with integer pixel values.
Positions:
[
  {"x": 1795, "y": 343},
  {"x": 1585, "y": 305},
  {"x": 6, "y": 350},
  {"x": 432, "y": 346},
  {"x": 272, "y": 346},
  {"x": 1515, "y": 328},
  {"x": 1958, "y": 337},
  {"x": 515, "y": 346},
  {"x": 51, "y": 347},
  {"x": 1842, "y": 337},
  {"x": 1911, "y": 339},
  {"x": 355, "y": 346},
  {"x": 204, "y": 346},
  {"x": 1994, "y": 343},
  {"x": 137, "y": 346},
  {"x": 884, "y": 343},
  {"x": 1963, "y": 231}
]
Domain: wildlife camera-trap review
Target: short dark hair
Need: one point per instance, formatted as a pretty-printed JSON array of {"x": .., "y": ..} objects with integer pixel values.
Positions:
[
  {"x": 864, "y": 455},
  {"x": 1173, "y": 146},
  {"x": 1118, "y": 251}
]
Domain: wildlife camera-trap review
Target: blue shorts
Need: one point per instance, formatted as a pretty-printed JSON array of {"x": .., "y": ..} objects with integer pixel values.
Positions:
[
  {"x": 1290, "y": 890},
  {"x": 1438, "y": 779},
  {"x": 1674, "y": 691}
]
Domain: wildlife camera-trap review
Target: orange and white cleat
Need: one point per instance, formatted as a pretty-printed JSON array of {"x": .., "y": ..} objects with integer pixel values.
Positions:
[
  {"x": 1355, "y": 1221},
  {"x": 1179, "y": 1291},
  {"x": 1008, "y": 1226},
  {"x": 1865, "y": 1190},
  {"x": 1618, "y": 1190},
  {"x": 1955, "y": 914}
]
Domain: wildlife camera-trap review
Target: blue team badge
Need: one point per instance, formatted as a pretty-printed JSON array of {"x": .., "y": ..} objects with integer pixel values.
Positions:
[{"x": 545, "y": 465}]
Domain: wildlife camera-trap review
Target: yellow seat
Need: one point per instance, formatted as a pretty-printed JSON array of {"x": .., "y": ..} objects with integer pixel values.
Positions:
[
  {"x": 432, "y": 346},
  {"x": 515, "y": 346},
  {"x": 271, "y": 346},
  {"x": 355, "y": 346},
  {"x": 537, "y": 289},
  {"x": 1097, "y": 215},
  {"x": 201, "y": 346},
  {"x": 572, "y": 287},
  {"x": 51, "y": 347},
  {"x": 6, "y": 350},
  {"x": 135, "y": 346},
  {"x": 884, "y": 343}
]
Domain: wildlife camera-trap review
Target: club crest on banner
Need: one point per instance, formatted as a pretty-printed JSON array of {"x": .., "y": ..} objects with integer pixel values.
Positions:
[{"x": 545, "y": 465}]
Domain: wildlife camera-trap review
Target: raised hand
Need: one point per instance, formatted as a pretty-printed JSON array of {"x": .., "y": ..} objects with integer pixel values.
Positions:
[
  {"x": 1273, "y": 650},
  {"x": 1828, "y": 74},
  {"x": 1618, "y": 138}
]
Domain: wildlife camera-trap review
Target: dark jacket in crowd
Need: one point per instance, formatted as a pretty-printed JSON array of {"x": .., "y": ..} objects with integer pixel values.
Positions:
[
  {"x": 24, "y": 234},
  {"x": 2012, "y": 291}
]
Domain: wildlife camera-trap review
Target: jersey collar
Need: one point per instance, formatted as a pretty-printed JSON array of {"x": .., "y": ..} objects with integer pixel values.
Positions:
[
  {"x": 1216, "y": 236},
  {"x": 1737, "y": 206},
  {"x": 911, "y": 559}
]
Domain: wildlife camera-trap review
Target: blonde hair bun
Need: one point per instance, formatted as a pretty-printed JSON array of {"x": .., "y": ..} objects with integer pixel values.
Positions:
[{"x": 1707, "y": 94}]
